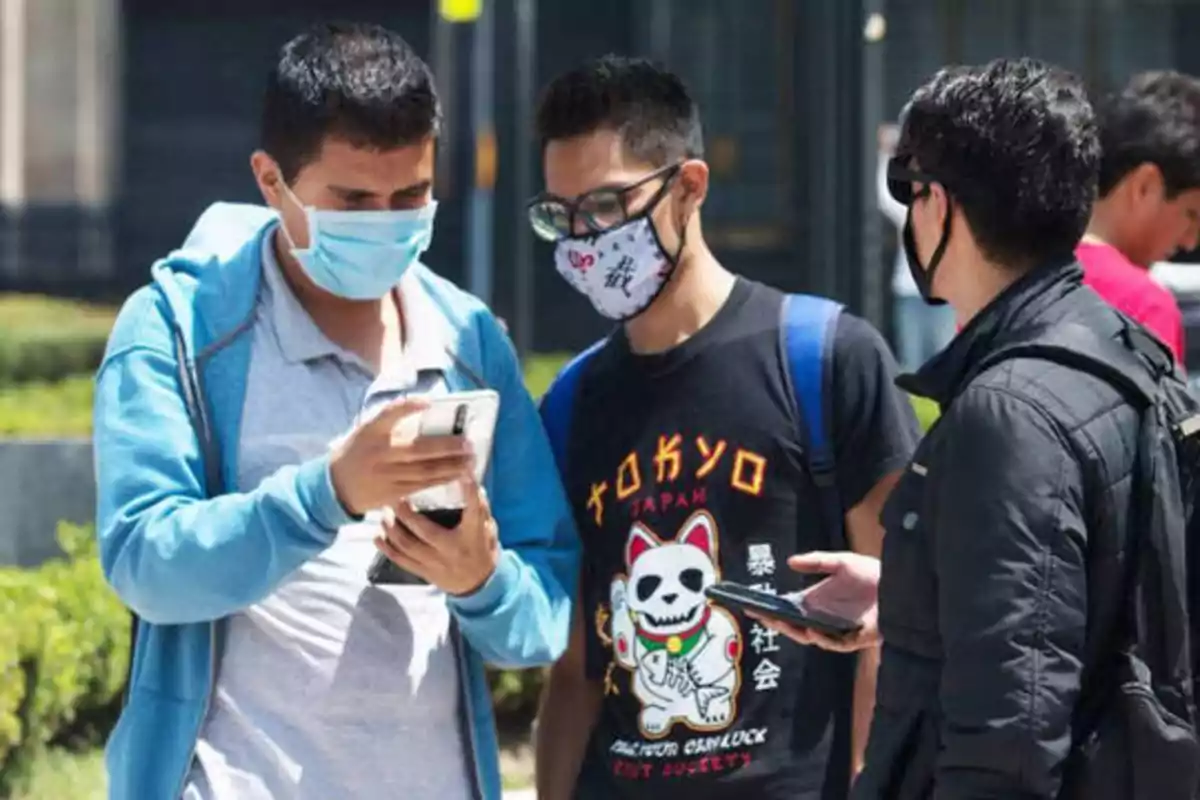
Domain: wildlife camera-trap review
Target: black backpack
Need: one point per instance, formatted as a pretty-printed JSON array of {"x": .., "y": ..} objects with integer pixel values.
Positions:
[{"x": 1135, "y": 726}]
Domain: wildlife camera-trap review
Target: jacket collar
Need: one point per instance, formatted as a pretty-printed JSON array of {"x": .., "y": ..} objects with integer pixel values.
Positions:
[{"x": 1021, "y": 305}]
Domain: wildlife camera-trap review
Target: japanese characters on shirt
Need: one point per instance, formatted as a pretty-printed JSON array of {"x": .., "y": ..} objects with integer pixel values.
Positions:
[
  {"x": 760, "y": 563},
  {"x": 686, "y": 656}
]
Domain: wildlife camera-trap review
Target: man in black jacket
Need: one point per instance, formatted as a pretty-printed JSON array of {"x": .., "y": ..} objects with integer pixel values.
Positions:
[{"x": 1003, "y": 537}]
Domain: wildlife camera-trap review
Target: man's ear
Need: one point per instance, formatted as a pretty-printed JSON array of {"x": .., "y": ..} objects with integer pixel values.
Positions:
[
  {"x": 268, "y": 177},
  {"x": 941, "y": 199},
  {"x": 1147, "y": 180},
  {"x": 693, "y": 181}
]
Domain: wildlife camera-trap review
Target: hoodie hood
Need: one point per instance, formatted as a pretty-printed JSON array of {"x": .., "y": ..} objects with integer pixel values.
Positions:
[
  {"x": 219, "y": 265},
  {"x": 224, "y": 228}
]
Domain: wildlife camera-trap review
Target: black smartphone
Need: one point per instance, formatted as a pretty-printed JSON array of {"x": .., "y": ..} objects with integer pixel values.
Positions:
[
  {"x": 736, "y": 597},
  {"x": 384, "y": 572}
]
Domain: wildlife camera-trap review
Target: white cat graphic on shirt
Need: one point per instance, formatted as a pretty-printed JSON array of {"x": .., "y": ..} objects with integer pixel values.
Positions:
[{"x": 683, "y": 650}]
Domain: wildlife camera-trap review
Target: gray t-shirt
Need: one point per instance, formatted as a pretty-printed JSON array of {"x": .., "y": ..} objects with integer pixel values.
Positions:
[{"x": 330, "y": 687}]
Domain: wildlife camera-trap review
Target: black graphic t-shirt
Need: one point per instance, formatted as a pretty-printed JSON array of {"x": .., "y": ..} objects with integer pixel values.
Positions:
[{"x": 686, "y": 468}]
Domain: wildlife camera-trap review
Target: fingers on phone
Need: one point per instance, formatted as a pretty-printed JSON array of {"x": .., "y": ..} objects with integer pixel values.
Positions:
[
  {"x": 816, "y": 562},
  {"x": 427, "y": 473},
  {"x": 399, "y": 409},
  {"x": 431, "y": 448}
]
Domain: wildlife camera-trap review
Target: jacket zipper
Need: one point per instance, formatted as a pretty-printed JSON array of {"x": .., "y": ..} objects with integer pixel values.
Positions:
[
  {"x": 212, "y": 685},
  {"x": 194, "y": 397}
]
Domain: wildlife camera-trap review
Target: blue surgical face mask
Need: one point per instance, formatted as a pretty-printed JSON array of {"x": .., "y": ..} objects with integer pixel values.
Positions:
[{"x": 362, "y": 255}]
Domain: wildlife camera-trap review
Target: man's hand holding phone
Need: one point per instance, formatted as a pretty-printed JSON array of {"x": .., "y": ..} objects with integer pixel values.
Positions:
[
  {"x": 456, "y": 560},
  {"x": 374, "y": 467},
  {"x": 851, "y": 590}
]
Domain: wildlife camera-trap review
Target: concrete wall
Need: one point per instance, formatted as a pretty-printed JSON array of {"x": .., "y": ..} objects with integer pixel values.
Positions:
[{"x": 41, "y": 483}]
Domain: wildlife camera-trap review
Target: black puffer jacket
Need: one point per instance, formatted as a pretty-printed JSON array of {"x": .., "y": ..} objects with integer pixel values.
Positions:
[{"x": 1001, "y": 560}]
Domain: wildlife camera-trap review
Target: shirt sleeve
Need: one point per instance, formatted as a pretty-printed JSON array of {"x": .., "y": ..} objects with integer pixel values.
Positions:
[
  {"x": 875, "y": 429},
  {"x": 173, "y": 554}
]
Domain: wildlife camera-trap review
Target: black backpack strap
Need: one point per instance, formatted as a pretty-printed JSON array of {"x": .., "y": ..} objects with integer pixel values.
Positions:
[
  {"x": 1154, "y": 613},
  {"x": 1129, "y": 366}
]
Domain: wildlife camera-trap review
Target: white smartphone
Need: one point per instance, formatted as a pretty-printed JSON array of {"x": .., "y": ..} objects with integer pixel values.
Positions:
[{"x": 471, "y": 415}]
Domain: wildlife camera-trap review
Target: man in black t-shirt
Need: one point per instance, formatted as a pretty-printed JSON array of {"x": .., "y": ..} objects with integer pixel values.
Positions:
[{"x": 685, "y": 466}]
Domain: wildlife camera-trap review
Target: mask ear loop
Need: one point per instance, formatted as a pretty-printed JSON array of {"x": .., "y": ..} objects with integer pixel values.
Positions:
[
  {"x": 309, "y": 219},
  {"x": 672, "y": 260},
  {"x": 936, "y": 259},
  {"x": 682, "y": 243},
  {"x": 927, "y": 270},
  {"x": 682, "y": 229}
]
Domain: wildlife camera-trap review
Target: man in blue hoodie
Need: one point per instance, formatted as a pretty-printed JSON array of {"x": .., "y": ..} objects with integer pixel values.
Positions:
[{"x": 244, "y": 433}]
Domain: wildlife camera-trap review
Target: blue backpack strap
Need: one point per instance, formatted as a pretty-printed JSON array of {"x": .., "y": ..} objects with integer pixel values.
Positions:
[
  {"x": 808, "y": 329},
  {"x": 807, "y": 332},
  {"x": 558, "y": 404}
]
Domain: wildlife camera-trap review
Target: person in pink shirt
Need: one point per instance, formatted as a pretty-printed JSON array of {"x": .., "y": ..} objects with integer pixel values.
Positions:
[{"x": 1149, "y": 197}]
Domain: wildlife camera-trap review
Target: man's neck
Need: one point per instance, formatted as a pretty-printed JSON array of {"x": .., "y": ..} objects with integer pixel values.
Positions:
[
  {"x": 693, "y": 296},
  {"x": 1104, "y": 228},
  {"x": 988, "y": 282},
  {"x": 360, "y": 326},
  {"x": 1096, "y": 233}
]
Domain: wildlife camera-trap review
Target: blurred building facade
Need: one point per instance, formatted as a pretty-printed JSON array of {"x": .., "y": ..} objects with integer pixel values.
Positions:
[{"x": 120, "y": 120}]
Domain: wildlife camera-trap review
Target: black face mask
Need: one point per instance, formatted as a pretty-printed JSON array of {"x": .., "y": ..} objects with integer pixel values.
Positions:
[
  {"x": 923, "y": 275},
  {"x": 900, "y": 178}
]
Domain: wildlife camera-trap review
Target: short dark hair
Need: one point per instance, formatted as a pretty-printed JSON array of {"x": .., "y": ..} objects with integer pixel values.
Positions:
[
  {"x": 647, "y": 105},
  {"x": 1155, "y": 119},
  {"x": 360, "y": 83},
  {"x": 1014, "y": 144}
]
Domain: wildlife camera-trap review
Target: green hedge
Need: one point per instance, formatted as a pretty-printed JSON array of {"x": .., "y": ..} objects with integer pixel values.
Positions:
[
  {"x": 63, "y": 655},
  {"x": 62, "y": 408},
  {"x": 64, "y": 651},
  {"x": 43, "y": 339}
]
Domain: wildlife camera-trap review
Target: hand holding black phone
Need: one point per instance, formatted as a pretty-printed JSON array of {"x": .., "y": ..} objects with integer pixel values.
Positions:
[
  {"x": 792, "y": 611},
  {"x": 469, "y": 414},
  {"x": 384, "y": 572}
]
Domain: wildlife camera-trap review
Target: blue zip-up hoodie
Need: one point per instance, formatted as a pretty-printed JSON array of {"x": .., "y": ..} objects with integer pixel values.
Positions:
[{"x": 183, "y": 561}]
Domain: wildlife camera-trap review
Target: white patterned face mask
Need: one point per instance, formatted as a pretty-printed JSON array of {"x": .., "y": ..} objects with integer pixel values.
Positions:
[{"x": 620, "y": 270}]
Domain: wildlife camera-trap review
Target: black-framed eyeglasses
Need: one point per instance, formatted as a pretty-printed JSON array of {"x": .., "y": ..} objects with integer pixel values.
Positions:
[
  {"x": 900, "y": 180},
  {"x": 601, "y": 209}
]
